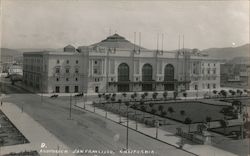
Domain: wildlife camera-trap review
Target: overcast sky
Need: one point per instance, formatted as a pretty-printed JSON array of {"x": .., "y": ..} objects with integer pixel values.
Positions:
[{"x": 54, "y": 24}]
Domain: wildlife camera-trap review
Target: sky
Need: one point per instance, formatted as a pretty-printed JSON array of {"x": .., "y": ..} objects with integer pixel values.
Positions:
[{"x": 57, "y": 23}]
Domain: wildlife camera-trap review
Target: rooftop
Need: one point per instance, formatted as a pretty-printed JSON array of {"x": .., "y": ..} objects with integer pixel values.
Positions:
[{"x": 117, "y": 41}]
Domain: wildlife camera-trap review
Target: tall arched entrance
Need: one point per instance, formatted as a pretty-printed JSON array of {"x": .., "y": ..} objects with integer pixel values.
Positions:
[
  {"x": 169, "y": 77},
  {"x": 123, "y": 77},
  {"x": 147, "y": 77}
]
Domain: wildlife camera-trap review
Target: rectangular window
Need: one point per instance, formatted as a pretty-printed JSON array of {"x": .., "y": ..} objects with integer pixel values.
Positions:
[
  {"x": 66, "y": 89},
  {"x": 76, "y": 89},
  {"x": 58, "y": 61},
  {"x": 112, "y": 66},
  {"x": 214, "y": 86},
  {"x": 58, "y": 70},
  {"x": 76, "y": 70},
  {"x": 67, "y": 70},
  {"x": 57, "y": 89},
  {"x": 160, "y": 67}
]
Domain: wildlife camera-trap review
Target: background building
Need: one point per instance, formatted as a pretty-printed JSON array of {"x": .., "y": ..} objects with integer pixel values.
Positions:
[{"x": 115, "y": 64}]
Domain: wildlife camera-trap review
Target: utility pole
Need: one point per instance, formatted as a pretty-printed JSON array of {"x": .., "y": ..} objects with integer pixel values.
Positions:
[
  {"x": 70, "y": 105},
  {"x": 127, "y": 130},
  {"x": 157, "y": 126}
]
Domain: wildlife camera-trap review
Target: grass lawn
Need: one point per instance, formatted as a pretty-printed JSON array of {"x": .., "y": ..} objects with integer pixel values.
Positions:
[{"x": 195, "y": 110}]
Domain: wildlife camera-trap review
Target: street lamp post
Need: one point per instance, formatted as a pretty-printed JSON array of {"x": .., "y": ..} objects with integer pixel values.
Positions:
[
  {"x": 127, "y": 129},
  {"x": 157, "y": 127},
  {"x": 70, "y": 105}
]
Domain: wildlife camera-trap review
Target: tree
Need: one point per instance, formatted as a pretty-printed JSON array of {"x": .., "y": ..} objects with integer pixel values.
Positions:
[
  {"x": 100, "y": 97},
  {"x": 154, "y": 96},
  {"x": 208, "y": 120},
  {"x": 163, "y": 113},
  {"x": 189, "y": 122},
  {"x": 151, "y": 104},
  {"x": 153, "y": 111},
  {"x": 124, "y": 95},
  {"x": 175, "y": 94},
  {"x": 142, "y": 97},
  {"x": 183, "y": 113},
  {"x": 238, "y": 104},
  {"x": 224, "y": 124},
  {"x": 160, "y": 108},
  {"x": 107, "y": 98},
  {"x": 119, "y": 109},
  {"x": 143, "y": 109},
  {"x": 127, "y": 104},
  {"x": 215, "y": 92},
  {"x": 145, "y": 94},
  {"x": 239, "y": 92},
  {"x": 232, "y": 92},
  {"x": 185, "y": 95},
  {"x": 170, "y": 110},
  {"x": 223, "y": 93},
  {"x": 165, "y": 95}
]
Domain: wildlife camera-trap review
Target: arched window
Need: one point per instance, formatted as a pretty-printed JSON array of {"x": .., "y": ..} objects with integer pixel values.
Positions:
[
  {"x": 123, "y": 72},
  {"x": 169, "y": 73},
  {"x": 147, "y": 72}
]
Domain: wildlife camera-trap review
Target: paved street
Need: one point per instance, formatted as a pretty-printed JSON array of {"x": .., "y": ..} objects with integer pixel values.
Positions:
[{"x": 85, "y": 130}]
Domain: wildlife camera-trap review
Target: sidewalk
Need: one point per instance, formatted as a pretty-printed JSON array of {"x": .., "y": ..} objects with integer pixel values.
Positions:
[
  {"x": 163, "y": 136},
  {"x": 34, "y": 132}
]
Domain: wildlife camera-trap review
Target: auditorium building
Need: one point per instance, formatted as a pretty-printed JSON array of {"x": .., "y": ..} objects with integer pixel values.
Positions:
[{"x": 117, "y": 65}]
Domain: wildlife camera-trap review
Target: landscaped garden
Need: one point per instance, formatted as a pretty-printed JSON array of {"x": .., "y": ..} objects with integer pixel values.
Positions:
[
  {"x": 184, "y": 111},
  {"x": 9, "y": 134}
]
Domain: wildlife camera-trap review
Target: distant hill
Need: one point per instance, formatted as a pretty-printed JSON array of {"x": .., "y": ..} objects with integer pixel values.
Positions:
[
  {"x": 9, "y": 52},
  {"x": 228, "y": 53},
  {"x": 240, "y": 60},
  {"x": 10, "y": 55}
]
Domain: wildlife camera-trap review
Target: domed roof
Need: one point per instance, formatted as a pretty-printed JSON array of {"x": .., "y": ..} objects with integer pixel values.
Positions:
[{"x": 117, "y": 41}]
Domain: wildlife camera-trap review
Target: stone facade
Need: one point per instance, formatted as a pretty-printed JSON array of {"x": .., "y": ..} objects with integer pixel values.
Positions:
[{"x": 116, "y": 65}]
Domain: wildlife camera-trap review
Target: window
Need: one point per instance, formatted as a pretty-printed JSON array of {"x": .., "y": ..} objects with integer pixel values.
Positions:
[
  {"x": 57, "y": 70},
  {"x": 67, "y": 79},
  {"x": 58, "y": 61},
  {"x": 208, "y": 64},
  {"x": 76, "y": 79},
  {"x": 76, "y": 70},
  {"x": 95, "y": 62},
  {"x": 214, "y": 86},
  {"x": 208, "y": 86},
  {"x": 76, "y": 89},
  {"x": 67, "y": 70},
  {"x": 76, "y": 61},
  {"x": 214, "y": 64},
  {"x": 214, "y": 71},
  {"x": 95, "y": 71},
  {"x": 57, "y": 89},
  {"x": 57, "y": 79},
  {"x": 67, "y": 61},
  {"x": 66, "y": 89},
  {"x": 96, "y": 89}
]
